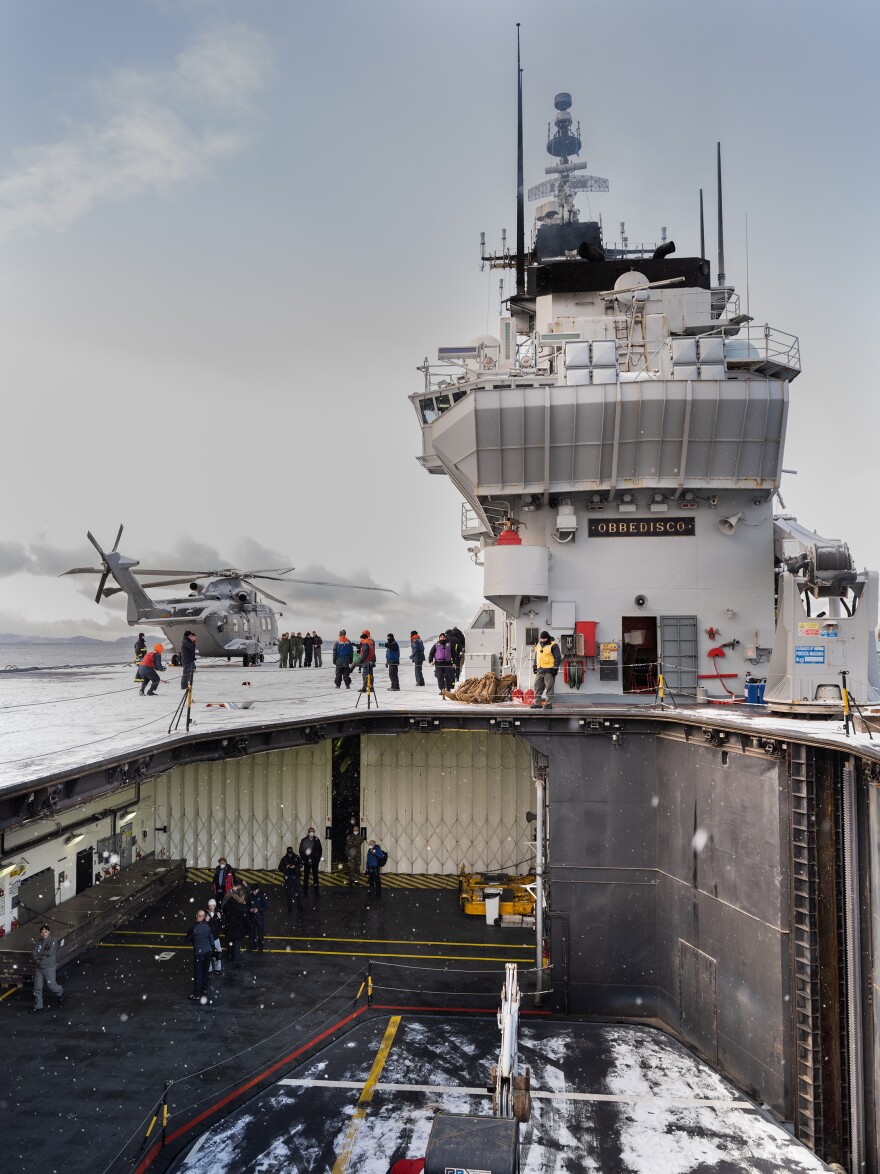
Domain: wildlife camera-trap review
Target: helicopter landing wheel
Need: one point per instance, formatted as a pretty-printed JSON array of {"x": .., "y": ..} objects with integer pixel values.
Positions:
[
  {"x": 245, "y": 661},
  {"x": 261, "y": 658}
]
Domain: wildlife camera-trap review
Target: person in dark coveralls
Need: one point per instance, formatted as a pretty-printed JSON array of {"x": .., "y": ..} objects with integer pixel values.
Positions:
[
  {"x": 140, "y": 648},
  {"x": 440, "y": 657},
  {"x": 257, "y": 903},
  {"x": 283, "y": 650},
  {"x": 546, "y": 665},
  {"x": 296, "y": 650},
  {"x": 353, "y": 852},
  {"x": 417, "y": 655},
  {"x": 317, "y": 648},
  {"x": 455, "y": 636},
  {"x": 44, "y": 955},
  {"x": 310, "y": 850},
  {"x": 224, "y": 879},
  {"x": 290, "y": 867},
  {"x": 235, "y": 917},
  {"x": 148, "y": 670},
  {"x": 307, "y": 650},
  {"x": 188, "y": 658},
  {"x": 392, "y": 662},
  {"x": 343, "y": 658},
  {"x": 367, "y": 662},
  {"x": 376, "y": 857},
  {"x": 203, "y": 950}
]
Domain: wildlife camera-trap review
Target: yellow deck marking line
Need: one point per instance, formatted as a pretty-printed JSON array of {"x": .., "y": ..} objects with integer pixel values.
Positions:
[
  {"x": 6, "y": 994},
  {"x": 340, "y": 1166},
  {"x": 174, "y": 933},
  {"x": 319, "y": 953}
]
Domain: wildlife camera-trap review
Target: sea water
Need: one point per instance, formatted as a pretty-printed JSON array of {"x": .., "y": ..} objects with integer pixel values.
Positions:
[{"x": 54, "y": 654}]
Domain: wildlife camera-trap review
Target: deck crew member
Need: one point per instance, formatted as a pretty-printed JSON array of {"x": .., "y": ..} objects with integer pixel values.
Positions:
[
  {"x": 376, "y": 857},
  {"x": 148, "y": 670},
  {"x": 310, "y": 850},
  {"x": 257, "y": 903},
  {"x": 140, "y": 648},
  {"x": 283, "y": 650},
  {"x": 188, "y": 658},
  {"x": 343, "y": 657},
  {"x": 215, "y": 923},
  {"x": 290, "y": 867},
  {"x": 353, "y": 852},
  {"x": 455, "y": 636},
  {"x": 546, "y": 665},
  {"x": 44, "y": 955},
  {"x": 417, "y": 655},
  {"x": 392, "y": 662},
  {"x": 236, "y": 919},
  {"x": 317, "y": 648},
  {"x": 367, "y": 662},
  {"x": 440, "y": 657},
  {"x": 224, "y": 879},
  {"x": 202, "y": 938}
]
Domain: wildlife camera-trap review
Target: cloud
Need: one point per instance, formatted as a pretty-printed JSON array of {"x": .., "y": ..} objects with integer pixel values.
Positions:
[
  {"x": 152, "y": 129},
  {"x": 316, "y": 597}
]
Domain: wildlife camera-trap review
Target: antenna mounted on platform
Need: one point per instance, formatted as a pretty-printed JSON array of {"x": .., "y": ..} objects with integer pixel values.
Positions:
[{"x": 563, "y": 142}]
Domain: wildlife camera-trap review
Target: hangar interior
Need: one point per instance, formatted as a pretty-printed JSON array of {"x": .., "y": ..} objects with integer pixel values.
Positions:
[{"x": 711, "y": 884}]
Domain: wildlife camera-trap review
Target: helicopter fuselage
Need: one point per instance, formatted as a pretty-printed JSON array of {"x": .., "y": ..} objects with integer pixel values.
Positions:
[{"x": 227, "y": 618}]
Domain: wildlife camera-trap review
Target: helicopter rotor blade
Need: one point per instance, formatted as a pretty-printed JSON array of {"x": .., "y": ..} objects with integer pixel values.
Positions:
[
  {"x": 263, "y": 591},
  {"x": 181, "y": 571},
  {"x": 159, "y": 583},
  {"x": 276, "y": 578},
  {"x": 269, "y": 571},
  {"x": 82, "y": 571},
  {"x": 104, "y": 577},
  {"x": 343, "y": 586},
  {"x": 118, "y": 536},
  {"x": 94, "y": 543}
]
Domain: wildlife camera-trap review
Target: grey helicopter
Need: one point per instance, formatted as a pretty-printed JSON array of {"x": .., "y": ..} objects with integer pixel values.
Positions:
[{"x": 224, "y": 611}]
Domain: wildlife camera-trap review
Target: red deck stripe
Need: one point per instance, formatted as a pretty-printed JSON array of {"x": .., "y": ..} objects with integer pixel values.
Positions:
[{"x": 148, "y": 1159}]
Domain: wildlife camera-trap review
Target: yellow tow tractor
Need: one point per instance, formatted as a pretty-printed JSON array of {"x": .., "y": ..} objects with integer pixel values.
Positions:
[{"x": 510, "y": 895}]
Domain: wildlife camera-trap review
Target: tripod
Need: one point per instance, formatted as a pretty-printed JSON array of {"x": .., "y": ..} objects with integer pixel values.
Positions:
[
  {"x": 848, "y": 700},
  {"x": 185, "y": 701},
  {"x": 370, "y": 691}
]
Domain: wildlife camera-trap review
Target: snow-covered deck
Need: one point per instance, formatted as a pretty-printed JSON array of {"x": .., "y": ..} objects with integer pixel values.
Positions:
[{"x": 57, "y": 720}]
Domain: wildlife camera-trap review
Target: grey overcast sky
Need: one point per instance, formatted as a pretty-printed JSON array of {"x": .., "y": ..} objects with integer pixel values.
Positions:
[{"x": 229, "y": 232}]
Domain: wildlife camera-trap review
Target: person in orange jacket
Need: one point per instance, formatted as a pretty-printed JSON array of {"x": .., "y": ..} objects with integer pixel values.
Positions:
[
  {"x": 367, "y": 662},
  {"x": 148, "y": 670}
]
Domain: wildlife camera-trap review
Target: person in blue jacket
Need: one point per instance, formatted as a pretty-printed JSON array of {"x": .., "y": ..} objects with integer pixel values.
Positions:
[
  {"x": 417, "y": 655},
  {"x": 376, "y": 858},
  {"x": 343, "y": 659},
  {"x": 392, "y": 660}
]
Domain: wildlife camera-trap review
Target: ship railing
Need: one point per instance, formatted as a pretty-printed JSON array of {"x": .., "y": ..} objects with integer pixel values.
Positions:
[
  {"x": 473, "y": 526},
  {"x": 760, "y": 348}
]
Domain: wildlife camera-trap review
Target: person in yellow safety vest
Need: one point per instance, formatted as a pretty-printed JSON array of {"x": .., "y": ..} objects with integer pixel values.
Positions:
[{"x": 548, "y": 658}]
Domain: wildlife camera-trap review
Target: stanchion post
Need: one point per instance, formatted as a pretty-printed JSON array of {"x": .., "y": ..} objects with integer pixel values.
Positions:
[{"x": 165, "y": 1114}]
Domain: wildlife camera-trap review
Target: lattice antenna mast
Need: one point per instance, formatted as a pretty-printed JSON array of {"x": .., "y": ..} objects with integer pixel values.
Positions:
[{"x": 563, "y": 143}]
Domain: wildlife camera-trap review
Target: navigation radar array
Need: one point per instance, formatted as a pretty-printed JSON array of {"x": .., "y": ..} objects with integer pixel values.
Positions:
[{"x": 563, "y": 142}]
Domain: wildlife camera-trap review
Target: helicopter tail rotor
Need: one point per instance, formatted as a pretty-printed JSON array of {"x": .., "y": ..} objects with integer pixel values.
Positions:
[{"x": 105, "y": 567}]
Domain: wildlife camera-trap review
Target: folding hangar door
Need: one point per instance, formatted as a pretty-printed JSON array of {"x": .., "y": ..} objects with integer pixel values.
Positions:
[
  {"x": 436, "y": 801},
  {"x": 247, "y": 809}
]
